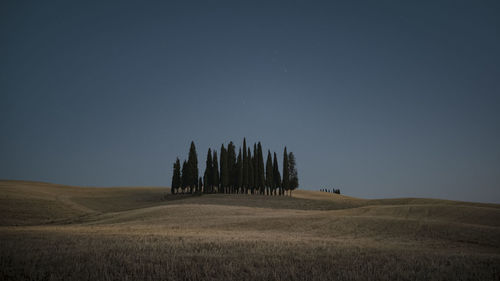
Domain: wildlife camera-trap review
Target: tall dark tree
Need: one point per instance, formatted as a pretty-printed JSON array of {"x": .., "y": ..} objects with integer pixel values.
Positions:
[
  {"x": 208, "y": 172},
  {"x": 224, "y": 177},
  {"x": 256, "y": 168},
  {"x": 251, "y": 183},
  {"x": 231, "y": 166},
  {"x": 239, "y": 172},
  {"x": 276, "y": 175},
  {"x": 176, "y": 177},
  {"x": 260, "y": 168},
  {"x": 185, "y": 176},
  {"x": 269, "y": 174},
  {"x": 255, "y": 163},
  {"x": 245, "y": 166},
  {"x": 193, "y": 168},
  {"x": 286, "y": 174},
  {"x": 215, "y": 172},
  {"x": 292, "y": 172}
]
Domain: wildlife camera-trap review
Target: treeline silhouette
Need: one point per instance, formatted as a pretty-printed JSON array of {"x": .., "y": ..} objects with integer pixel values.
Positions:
[
  {"x": 241, "y": 173},
  {"x": 333, "y": 190}
]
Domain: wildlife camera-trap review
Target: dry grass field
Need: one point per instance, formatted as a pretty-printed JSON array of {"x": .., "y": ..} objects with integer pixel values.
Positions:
[{"x": 56, "y": 232}]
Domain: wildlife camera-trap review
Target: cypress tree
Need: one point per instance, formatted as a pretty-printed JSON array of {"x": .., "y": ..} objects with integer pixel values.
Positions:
[
  {"x": 239, "y": 167},
  {"x": 176, "y": 177},
  {"x": 255, "y": 168},
  {"x": 276, "y": 174},
  {"x": 232, "y": 171},
  {"x": 260, "y": 167},
  {"x": 269, "y": 173},
  {"x": 245, "y": 166},
  {"x": 251, "y": 177},
  {"x": 286, "y": 176},
  {"x": 292, "y": 171},
  {"x": 193, "y": 168},
  {"x": 215, "y": 172},
  {"x": 208, "y": 172},
  {"x": 223, "y": 169},
  {"x": 184, "y": 176}
]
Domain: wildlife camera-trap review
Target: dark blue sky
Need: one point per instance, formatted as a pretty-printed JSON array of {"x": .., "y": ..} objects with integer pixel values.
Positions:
[{"x": 379, "y": 98}]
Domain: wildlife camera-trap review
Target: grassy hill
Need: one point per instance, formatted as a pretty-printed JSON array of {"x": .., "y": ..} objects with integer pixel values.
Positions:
[{"x": 57, "y": 232}]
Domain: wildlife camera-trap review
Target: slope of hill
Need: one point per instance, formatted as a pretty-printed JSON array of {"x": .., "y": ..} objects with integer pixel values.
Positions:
[{"x": 59, "y": 232}]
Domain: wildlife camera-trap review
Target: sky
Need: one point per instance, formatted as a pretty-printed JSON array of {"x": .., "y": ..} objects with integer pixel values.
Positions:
[{"x": 378, "y": 98}]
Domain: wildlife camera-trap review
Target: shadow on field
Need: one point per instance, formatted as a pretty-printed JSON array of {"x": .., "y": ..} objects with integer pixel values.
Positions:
[{"x": 258, "y": 201}]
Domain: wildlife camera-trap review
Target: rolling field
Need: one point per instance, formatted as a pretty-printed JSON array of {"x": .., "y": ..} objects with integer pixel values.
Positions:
[{"x": 56, "y": 232}]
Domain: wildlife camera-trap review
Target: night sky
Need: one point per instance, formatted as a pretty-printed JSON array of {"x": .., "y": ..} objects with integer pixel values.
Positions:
[{"x": 377, "y": 98}]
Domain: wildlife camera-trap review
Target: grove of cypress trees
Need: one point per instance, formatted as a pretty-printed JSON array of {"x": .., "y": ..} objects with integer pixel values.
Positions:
[
  {"x": 276, "y": 175},
  {"x": 236, "y": 173},
  {"x": 286, "y": 177},
  {"x": 269, "y": 173},
  {"x": 215, "y": 172}
]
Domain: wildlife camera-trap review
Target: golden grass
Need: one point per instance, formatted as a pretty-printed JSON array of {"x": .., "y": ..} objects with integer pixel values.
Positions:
[{"x": 55, "y": 232}]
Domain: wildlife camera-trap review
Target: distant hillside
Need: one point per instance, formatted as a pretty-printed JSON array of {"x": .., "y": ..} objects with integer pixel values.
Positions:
[{"x": 32, "y": 203}]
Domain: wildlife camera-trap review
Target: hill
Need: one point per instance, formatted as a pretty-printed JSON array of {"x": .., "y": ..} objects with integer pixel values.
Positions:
[{"x": 58, "y": 232}]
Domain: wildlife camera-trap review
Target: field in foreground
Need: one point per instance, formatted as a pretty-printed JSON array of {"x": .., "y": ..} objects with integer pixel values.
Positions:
[{"x": 55, "y": 232}]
